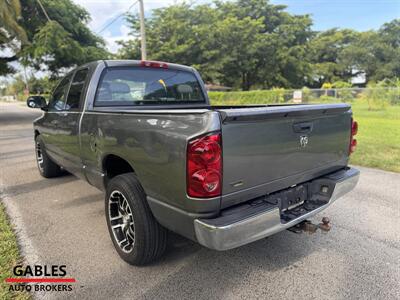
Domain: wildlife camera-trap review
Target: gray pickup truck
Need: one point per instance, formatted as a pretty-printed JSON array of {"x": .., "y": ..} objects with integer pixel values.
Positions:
[{"x": 146, "y": 134}]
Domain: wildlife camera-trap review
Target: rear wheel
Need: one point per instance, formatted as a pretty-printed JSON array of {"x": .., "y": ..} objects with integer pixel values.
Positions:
[
  {"x": 138, "y": 238},
  {"x": 47, "y": 168}
]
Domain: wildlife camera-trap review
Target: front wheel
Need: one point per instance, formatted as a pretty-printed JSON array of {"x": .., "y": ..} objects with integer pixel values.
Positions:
[
  {"x": 47, "y": 168},
  {"x": 138, "y": 238}
]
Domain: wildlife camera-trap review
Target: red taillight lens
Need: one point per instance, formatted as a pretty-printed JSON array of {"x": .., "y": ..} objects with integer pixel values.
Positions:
[
  {"x": 154, "y": 64},
  {"x": 354, "y": 127},
  {"x": 204, "y": 166},
  {"x": 353, "y": 145},
  {"x": 353, "y": 141}
]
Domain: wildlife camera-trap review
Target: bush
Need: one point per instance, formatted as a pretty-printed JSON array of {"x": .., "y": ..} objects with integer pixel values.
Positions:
[
  {"x": 376, "y": 96},
  {"x": 250, "y": 97}
]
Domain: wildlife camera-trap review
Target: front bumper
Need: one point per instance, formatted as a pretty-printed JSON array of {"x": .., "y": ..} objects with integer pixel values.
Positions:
[{"x": 237, "y": 229}]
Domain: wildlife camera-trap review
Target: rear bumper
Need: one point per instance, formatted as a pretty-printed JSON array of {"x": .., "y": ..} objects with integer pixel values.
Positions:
[{"x": 235, "y": 230}]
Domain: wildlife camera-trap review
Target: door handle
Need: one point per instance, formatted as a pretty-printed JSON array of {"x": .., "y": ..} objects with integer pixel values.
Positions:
[{"x": 304, "y": 127}]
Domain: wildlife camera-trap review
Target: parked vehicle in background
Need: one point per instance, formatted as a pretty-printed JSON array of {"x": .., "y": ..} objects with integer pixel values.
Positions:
[{"x": 146, "y": 134}]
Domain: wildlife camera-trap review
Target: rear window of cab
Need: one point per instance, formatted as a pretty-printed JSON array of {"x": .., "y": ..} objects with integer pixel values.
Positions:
[{"x": 132, "y": 86}]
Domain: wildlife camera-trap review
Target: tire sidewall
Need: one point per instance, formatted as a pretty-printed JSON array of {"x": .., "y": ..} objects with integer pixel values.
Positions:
[
  {"x": 49, "y": 168},
  {"x": 38, "y": 140},
  {"x": 135, "y": 199}
]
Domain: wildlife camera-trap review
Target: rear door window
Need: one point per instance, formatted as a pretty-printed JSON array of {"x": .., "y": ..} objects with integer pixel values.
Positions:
[
  {"x": 147, "y": 86},
  {"x": 76, "y": 90}
]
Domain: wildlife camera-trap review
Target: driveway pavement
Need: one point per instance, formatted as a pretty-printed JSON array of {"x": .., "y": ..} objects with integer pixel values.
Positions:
[{"x": 61, "y": 221}]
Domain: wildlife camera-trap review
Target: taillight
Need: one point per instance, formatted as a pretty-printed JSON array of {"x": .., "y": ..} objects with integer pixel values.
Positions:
[
  {"x": 353, "y": 141},
  {"x": 154, "y": 64},
  {"x": 204, "y": 166}
]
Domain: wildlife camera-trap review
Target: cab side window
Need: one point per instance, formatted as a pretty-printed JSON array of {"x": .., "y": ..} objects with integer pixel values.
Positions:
[
  {"x": 76, "y": 90},
  {"x": 57, "y": 101}
]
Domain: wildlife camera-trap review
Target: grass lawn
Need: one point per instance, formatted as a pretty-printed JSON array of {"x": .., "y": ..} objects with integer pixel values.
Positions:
[
  {"x": 9, "y": 257},
  {"x": 378, "y": 135}
]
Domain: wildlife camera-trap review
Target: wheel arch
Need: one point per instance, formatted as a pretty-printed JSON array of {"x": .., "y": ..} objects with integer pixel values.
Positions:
[{"x": 114, "y": 165}]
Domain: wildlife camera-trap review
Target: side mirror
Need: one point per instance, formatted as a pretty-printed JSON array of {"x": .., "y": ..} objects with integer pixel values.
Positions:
[{"x": 36, "y": 102}]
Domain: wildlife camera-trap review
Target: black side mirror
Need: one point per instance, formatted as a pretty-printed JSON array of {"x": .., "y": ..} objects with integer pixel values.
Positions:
[{"x": 36, "y": 102}]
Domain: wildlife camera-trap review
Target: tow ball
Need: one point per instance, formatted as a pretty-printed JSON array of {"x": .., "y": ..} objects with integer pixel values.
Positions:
[{"x": 309, "y": 227}]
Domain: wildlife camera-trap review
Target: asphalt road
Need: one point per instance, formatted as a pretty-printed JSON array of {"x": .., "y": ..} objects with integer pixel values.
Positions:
[{"x": 61, "y": 221}]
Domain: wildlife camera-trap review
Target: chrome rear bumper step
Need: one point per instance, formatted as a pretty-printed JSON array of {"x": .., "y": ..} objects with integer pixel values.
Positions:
[{"x": 264, "y": 219}]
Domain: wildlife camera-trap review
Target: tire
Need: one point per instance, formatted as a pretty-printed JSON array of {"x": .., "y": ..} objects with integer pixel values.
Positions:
[
  {"x": 47, "y": 168},
  {"x": 138, "y": 238}
]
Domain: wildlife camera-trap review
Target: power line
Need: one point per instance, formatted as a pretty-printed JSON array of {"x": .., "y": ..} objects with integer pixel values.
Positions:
[{"x": 117, "y": 17}]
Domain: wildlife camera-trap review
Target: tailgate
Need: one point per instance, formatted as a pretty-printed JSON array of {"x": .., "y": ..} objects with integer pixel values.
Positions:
[{"x": 266, "y": 149}]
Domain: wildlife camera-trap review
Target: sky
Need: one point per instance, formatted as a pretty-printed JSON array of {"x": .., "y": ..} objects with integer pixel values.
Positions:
[{"x": 355, "y": 14}]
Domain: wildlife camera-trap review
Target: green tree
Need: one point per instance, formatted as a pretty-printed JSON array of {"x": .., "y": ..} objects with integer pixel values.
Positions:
[
  {"x": 10, "y": 12},
  {"x": 63, "y": 42},
  {"x": 389, "y": 35},
  {"x": 281, "y": 56},
  {"x": 342, "y": 54},
  {"x": 43, "y": 85},
  {"x": 243, "y": 43},
  {"x": 17, "y": 86},
  {"x": 326, "y": 55},
  {"x": 177, "y": 33}
]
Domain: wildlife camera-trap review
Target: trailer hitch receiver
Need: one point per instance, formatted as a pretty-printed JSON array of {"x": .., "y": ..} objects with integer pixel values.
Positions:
[{"x": 310, "y": 228}]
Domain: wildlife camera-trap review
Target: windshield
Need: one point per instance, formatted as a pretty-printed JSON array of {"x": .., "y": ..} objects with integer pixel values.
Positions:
[{"x": 147, "y": 86}]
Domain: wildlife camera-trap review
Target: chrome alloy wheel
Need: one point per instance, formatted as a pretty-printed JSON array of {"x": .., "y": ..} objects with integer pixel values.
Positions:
[
  {"x": 39, "y": 156},
  {"x": 121, "y": 221}
]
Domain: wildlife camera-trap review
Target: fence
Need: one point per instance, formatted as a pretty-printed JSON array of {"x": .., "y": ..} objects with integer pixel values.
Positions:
[
  {"x": 390, "y": 96},
  {"x": 376, "y": 97}
]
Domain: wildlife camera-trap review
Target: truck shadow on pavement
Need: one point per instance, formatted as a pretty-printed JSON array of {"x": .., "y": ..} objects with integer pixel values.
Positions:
[
  {"x": 16, "y": 153},
  {"x": 223, "y": 272},
  {"x": 86, "y": 200},
  {"x": 37, "y": 185}
]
